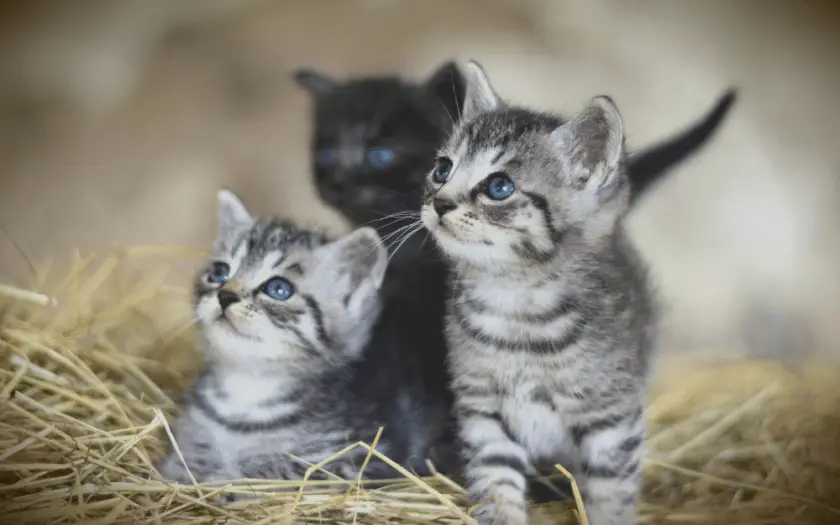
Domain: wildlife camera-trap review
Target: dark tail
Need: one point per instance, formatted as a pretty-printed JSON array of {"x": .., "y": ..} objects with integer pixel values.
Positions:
[{"x": 647, "y": 167}]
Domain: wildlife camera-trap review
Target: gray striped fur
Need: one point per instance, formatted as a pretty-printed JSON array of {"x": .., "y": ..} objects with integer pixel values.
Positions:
[
  {"x": 551, "y": 322},
  {"x": 286, "y": 379}
]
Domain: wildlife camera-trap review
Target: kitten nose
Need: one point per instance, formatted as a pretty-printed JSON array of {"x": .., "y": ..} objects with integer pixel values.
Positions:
[
  {"x": 442, "y": 206},
  {"x": 227, "y": 298}
]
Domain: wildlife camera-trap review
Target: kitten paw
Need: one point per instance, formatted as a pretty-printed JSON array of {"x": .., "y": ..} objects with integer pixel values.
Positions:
[
  {"x": 227, "y": 499},
  {"x": 171, "y": 469},
  {"x": 485, "y": 515}
]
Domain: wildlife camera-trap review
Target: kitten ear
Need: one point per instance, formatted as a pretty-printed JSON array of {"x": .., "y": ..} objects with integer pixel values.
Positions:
[
  {"x": 593, "y": 143},
  {"x": 232, "y": 213},
  {"x": 358, "y": 260},
  {"x": 314, "y": 82},
  {"x": 480, "y": 96},
  {"x": 449, "y": 85}
]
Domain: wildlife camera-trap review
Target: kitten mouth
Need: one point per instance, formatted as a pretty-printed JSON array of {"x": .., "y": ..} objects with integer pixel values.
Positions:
[
  {"x": 228, "y": 324},
  {"x": 430, "y": 222},
  {"x": 224, "y": 321},
  {"x": 365, "y": 196},
  {"x": 441, "y": 227}
]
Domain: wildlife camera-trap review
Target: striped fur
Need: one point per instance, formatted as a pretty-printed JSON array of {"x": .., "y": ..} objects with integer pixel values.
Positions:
[
  {"x": 301, "y": 377},
  {"x": 550, "y": 324}
]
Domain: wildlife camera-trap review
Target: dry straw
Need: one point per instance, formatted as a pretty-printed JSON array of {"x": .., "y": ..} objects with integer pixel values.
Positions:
[{"x": 92, "y": 361}]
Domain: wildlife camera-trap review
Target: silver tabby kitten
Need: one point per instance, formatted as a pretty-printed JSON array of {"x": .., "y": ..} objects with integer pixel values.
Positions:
[
  {"x": 550, "y": 325},
  {"x": 285, "y": 315}
]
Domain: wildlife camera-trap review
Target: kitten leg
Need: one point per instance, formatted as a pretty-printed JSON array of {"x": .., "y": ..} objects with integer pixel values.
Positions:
[
  {"x": 204, "y": 463},
  {"x": 496, "y": 468},
  {"x": 172, "y": 469},
  {"x": 611, "y": 456},
  {"x": 203, "y": 469}
]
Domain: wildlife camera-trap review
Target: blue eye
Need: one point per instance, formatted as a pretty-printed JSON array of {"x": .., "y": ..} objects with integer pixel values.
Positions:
[
  {"x": 279, "y": 289},
  {"x": 219, "y": 273},
  {"x": 499, "y": 187},
  {"x": 380, "y": 157},
  {"x": 326, "y": 157},
  {"x": 443, "y": 170}
]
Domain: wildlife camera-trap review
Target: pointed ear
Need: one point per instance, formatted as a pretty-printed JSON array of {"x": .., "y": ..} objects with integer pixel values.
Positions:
[
  {"x": 592, "y": 143},
  {"x": 449, "y": 85},
  {"x": 357, "y": 262},
  {"x": 314, "y": 82},
  {"x": 479, "y": 96},
  {"x": 232, "y": 213}
]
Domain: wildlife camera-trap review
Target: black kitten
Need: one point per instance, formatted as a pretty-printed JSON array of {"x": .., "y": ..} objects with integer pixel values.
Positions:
[{"x": 373, "y": 143}]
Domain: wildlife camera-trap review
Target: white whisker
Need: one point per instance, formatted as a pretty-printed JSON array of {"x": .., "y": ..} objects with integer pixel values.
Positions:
[
  {"x": 180, "y": 331},
  {"x": 404, "y": 239},
  {"x": 406, "y": 214},
  {"x": 383, "y": 240},
  {"x": 399, "y": 231}
]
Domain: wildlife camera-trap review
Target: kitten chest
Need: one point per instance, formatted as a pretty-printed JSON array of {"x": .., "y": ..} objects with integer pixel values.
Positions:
[
  {"x": 537, "y": 418},
  {"x": 527, "y": 396}
]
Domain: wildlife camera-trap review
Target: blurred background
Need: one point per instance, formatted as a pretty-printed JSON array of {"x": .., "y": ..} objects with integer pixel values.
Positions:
[{"x": 120, "y": 119}]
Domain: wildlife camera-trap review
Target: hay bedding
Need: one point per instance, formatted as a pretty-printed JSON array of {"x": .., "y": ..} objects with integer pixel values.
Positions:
[{"x": 90, "y": 370}]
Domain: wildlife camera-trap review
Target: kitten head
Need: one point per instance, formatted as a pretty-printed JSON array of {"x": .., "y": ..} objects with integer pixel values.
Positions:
[
  {"x": 513, "y": 186},
  {"x": 276, "y": 296},
  {"x": 374, "y": 139}
]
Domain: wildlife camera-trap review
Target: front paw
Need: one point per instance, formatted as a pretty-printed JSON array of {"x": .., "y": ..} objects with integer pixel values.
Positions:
[
  {"x": 493, "y": 514},
  {"x": 171, "y": 469},
  {"x": 229, "y": 498}
]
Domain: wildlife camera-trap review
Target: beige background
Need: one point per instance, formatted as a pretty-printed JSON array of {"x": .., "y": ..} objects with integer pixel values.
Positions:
[{"x": 120, "y": 119}]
